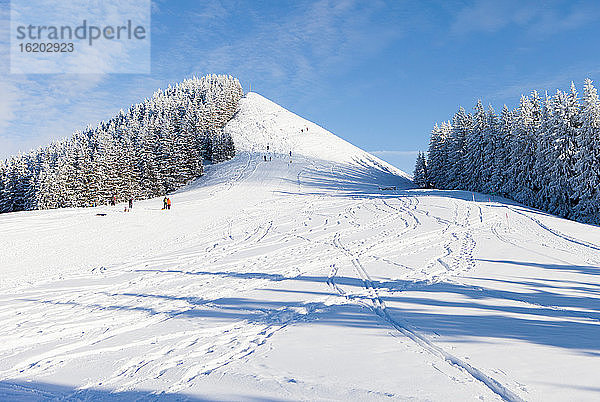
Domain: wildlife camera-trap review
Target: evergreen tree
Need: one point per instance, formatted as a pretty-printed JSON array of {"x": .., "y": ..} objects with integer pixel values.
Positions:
[
  {"x": 561, "y": 166},
  {"x": 458, "y": 170},
  {"x": 522, "y": 152},
  {"x": 474, "y": 148},
  {"x": 436, "y": 155},
  {"x": 544, "y": 159},
  {"x": 587, "y": 180},
  {"x": 491, "y": 145},
  {"x": 420, "y": 176}
]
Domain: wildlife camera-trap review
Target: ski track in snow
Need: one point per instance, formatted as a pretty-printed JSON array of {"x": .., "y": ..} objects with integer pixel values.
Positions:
[
  {"x": 379, "y": 307},
  {"x": 292, "y": 240}
]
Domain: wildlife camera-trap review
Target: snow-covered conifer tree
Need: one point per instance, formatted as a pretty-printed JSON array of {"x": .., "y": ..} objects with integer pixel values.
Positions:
[
  {"x": 587, "y": 181},
  {"x": 420, "y": 175},
  {"x": 491, "y": 145},
  {"x": 458, "y": 170},
  {"x": 474, "y": 148}
]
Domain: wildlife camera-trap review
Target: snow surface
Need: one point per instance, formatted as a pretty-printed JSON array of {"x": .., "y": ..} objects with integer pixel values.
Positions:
[{"x": 299, "y": 278}]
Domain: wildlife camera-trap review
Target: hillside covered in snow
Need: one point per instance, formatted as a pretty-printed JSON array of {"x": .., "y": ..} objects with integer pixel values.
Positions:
[
  {"x": 303, "y": 268},
  {"x": 156, "y": 146}
]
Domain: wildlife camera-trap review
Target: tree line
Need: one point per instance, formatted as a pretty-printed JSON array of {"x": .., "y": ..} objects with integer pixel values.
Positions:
[
  {"x": 153, "y": 148},
  {"x": 545, "y": 153}
]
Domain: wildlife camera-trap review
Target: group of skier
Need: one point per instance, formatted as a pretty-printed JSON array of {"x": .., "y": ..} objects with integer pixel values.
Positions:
[
  {"x": 129, "y": 205},
  {"x": 113, "y": 202},
  {"x": 270, "y": 158}
]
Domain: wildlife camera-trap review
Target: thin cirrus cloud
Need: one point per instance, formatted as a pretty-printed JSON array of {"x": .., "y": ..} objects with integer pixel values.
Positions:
[
  {"x": 536, "y": 18},
  {"x": 402, "y": 159},
  {"x": 8, "y": 89},
  {"x": 319, "y": 39},
  {"x": 513, "y": 91},
  {"x": 394, "y": 153},
  {"x": 36, "y": 109}
]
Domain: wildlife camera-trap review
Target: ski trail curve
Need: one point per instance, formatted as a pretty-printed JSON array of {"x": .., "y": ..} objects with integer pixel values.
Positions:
[{"x": 379, "y": 307}]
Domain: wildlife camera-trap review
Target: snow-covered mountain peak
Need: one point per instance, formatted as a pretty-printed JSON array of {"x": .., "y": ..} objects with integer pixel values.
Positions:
[{"x": 261, "y": 123}]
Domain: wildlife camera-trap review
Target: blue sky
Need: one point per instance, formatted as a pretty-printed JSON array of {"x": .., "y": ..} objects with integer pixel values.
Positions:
[{"x": 377, "y": 73}]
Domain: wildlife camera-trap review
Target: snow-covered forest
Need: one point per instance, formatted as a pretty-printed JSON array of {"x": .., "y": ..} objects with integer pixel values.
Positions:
[
  {"x": 545, "y": 153},
  {"x": 151, "y": 149}
]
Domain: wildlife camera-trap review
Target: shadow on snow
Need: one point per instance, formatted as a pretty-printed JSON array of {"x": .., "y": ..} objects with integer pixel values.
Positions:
[
  {"x": 15, "y": 391},
  {"x": 541, "y": 314}
]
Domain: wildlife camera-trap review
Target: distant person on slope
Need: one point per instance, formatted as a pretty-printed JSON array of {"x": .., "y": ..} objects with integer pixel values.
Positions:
[
  {"x": 168, "y": 203},
  {"x": 130, "y": 203},
  {"x": 165, "y": 203}
]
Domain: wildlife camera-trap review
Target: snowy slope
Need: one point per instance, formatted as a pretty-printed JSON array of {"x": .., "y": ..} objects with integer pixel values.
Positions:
[
  {"x": 261, "y": 123},
  {"x": 299, "y": 278}
]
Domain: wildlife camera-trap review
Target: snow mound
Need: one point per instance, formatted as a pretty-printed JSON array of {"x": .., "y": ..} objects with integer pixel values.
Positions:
[{"x": 260, "y": 123}]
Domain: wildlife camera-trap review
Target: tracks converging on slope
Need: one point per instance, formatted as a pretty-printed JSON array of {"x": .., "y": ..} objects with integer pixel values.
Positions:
[{"x": 377, "y": 304}]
